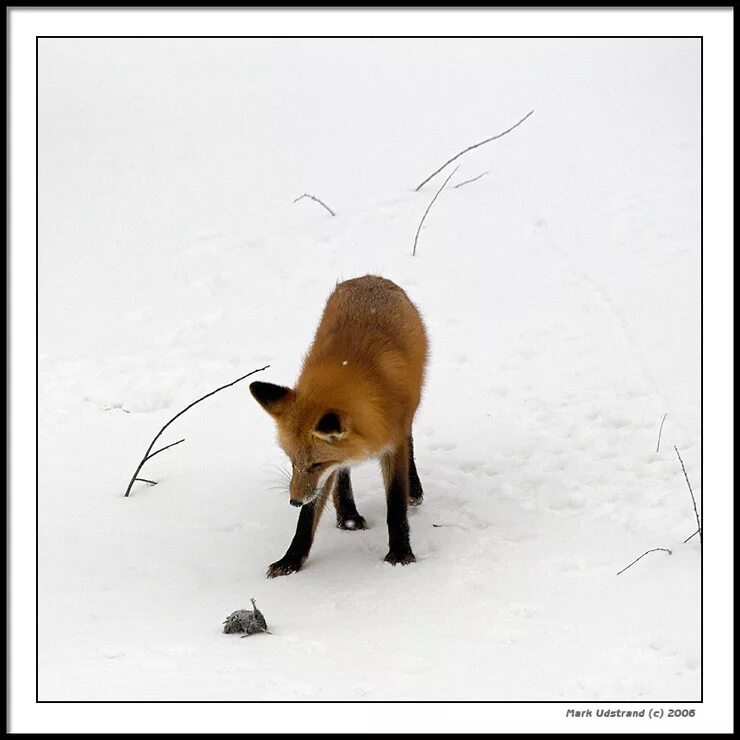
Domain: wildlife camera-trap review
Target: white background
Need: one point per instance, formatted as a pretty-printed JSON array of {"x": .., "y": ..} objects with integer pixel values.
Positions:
[{"x": 718, "y": 434}]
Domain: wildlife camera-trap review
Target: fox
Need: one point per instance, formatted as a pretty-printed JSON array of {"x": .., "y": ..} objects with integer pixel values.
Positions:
[{"x": 355, "y": 399}]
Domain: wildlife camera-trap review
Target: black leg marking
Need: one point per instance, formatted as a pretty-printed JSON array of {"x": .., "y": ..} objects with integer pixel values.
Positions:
[
  {"x": 344, "y": 502},
  {"x": 299, "y": 547},
  {"x": 416, "y": 493},
  {"x": 397, "y": 481}
]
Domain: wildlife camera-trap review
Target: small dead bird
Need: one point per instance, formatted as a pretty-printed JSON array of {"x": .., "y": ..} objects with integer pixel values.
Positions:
[{"x": 244, "y": 620}]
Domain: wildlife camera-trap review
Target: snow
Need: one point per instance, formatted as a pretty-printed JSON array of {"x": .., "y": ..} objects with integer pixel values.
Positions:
[{"x": 562, "y": 298}]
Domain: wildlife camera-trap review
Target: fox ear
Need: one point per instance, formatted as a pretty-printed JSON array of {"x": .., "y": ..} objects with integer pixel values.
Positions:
[
  {"x": 330, "y": 427},
  {"x": 272, "y": 398}
]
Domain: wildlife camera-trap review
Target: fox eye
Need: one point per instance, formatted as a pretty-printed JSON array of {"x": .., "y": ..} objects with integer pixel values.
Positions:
[{"x": 315, "y": 466}]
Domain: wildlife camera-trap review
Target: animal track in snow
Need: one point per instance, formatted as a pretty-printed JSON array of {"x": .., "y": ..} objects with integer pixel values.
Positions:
[
  {"x": 616, "y": 422},
  {"x": 470, "y": 466},
  {"x": 566, "y": 502},
  {"x": 441, "y": 446},
  {"x": 522, "y": 610}
]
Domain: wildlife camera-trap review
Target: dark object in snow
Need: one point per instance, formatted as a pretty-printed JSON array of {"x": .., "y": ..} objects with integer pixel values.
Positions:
[
  {"x": 244, "y": 620},
  {"x": 148, "y": 455}
]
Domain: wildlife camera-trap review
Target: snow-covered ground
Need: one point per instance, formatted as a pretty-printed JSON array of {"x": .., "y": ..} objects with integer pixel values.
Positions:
[{"x": 561, "y": 292}]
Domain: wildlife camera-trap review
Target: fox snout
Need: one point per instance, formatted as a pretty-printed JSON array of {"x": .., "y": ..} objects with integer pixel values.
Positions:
[
  {"x": 301, "y": 500},
  {"x": 302, "y": 491}
]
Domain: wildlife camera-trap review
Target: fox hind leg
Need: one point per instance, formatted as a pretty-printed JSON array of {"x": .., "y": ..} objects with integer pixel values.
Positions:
[
  {"x": 416, "y": 493},
  {"x": 395, "y": 466},
  {"x": 344, "y": 503}
]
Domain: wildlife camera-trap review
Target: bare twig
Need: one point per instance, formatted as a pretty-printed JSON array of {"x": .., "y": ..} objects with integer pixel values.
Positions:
[
  {"x": 472, "y": 179},
  {"x": 655, "y": 549},
  {"x": 318, "y": 200},
  {"x": 149, "y": 454},
  {"x": 660, "y": 431},
  {"x": 474, "y": 146},
  {"x": 162, "y": 449},
  {"x": 691, "y": 536},
  {"x": 146, "y": 480},
  {"x": 693, "y": 500},
  {"x": 421, "y": 223}
]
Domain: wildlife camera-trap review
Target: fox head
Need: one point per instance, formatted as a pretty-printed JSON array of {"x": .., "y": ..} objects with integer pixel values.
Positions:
[{"x": 318, "y": 438}]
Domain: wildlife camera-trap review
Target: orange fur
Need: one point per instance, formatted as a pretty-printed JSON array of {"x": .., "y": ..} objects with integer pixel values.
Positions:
[{"x": 366, "y": 365}]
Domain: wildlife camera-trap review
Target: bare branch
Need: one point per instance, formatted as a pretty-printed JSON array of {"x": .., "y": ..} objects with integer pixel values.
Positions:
[
  {"x": 421, "y": 223},
  {"x": 467, "y": 182},
  {"x": 691, "y": 536},
  {"x": 146, "y": 480},
  {"x": 693, "y": 500},
  {"x": 166, "y": 447},
  {"x": 655, "y": 549},
  {"x": 147, "y": 454},
  {"x": 474, "y": 146},
  {"x": 318, "y": 200},
  {"x": 660, "y": 431}
]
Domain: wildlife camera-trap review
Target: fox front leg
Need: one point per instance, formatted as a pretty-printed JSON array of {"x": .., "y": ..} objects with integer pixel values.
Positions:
[{"x": 299, "y": 548}]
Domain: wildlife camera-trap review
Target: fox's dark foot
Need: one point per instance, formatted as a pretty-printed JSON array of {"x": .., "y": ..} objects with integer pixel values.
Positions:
[
  {"x": 285, "y": 567},
  {"x": 354, "y": 521},
  {"x": 402, "y": 558},
  {"x": 416, "y": 500}
]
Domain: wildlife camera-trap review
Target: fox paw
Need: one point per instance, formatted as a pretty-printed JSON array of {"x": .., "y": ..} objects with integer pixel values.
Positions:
[
  {"x": 402, "y": 558},
  {"x": 352, "y": 522},
  {"x": 284, "y": 567},
  {"x": 416, "y": 500}
]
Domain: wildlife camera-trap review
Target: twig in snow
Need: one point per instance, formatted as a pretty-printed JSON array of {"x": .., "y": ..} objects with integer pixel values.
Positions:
[
  {"x": 146, "y": 480},
  {"x": 693, "y": 500},
  {"x": 655, "y": 549},
  {"x": 421, "y": 223},
  {"x": 472, "y": 179},
  {"x": 149, "y": 454},
  {"x": 660, "y": 431},
  {"x": 318, "y": 200},
  {"x": 691, "y": 536},
  {"x": 474, "y": 146},
  {"x": 166, "y": 447}
]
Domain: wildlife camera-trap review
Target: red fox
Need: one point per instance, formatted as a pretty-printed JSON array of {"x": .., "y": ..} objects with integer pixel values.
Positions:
[{"x": 355, "y": 399}]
